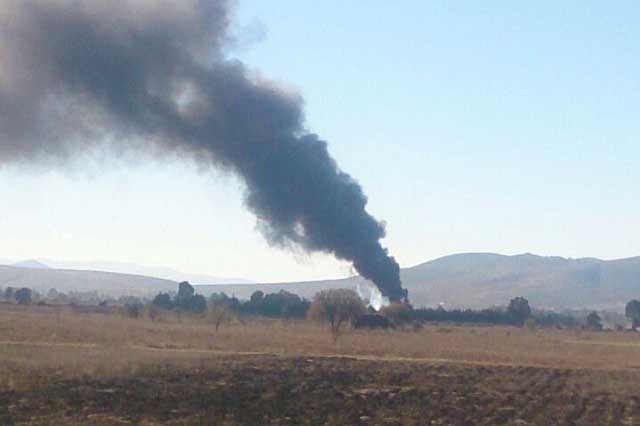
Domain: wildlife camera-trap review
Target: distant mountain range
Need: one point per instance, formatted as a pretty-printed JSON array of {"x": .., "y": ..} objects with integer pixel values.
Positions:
[
  {"x": 105, "y": 283},
  {"x": 125, "y": 268},
  {"x": 480, "y": 280},
  {"x": 485, "y": 279},
  {"x": 474, "y": 280},
  {"x": 31, "y": 264}
]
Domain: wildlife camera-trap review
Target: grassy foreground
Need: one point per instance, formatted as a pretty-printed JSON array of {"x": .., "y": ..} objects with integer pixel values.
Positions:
[{"x": 58, "y": 366}]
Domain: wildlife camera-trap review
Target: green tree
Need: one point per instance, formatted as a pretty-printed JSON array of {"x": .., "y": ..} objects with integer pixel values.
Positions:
[
  {"x": 257, "y": 297},
  {"x": 52, "y": 294},
  {"x": 185, "y": 290},
  {"x": 163, "y": 300},
  {"x": 9, "y": 293},
  {"x": 23, "y": 296},
  {"x": 222, "y": 299},
  {"x": 519, "y": 310},
  {"x": 197, "y": 303},
  {"x": 594, "y": 322},
  {"x": 632, "y": 311},
  {"x": 188, "y": 301}
]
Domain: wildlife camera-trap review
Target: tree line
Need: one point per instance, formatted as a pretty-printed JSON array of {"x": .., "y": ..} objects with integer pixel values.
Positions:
[
  {"x": 284, "y": 304},
  {"x": 345, "y": 306},
  {"x": 275, "y": 305},
  {"x": 516, "y": 313}
]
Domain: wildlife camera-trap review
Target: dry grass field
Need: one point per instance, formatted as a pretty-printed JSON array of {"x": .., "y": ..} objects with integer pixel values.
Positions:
[{"x": 60, "y": 366}]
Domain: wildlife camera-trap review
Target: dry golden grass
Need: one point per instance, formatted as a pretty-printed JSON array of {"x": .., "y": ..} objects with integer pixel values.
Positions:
[{"x": 58, "y": 337}]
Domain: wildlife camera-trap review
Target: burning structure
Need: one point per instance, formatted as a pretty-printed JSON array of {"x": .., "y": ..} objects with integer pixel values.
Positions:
[{"x": 153, "y": 76}]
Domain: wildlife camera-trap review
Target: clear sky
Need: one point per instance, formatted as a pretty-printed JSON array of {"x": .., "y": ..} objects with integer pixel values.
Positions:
[{"x": 473, "y": 126}]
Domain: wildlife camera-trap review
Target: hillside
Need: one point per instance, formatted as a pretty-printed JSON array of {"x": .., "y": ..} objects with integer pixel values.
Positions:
[
  {"x": 475, "y": 280},
  {"x": 65, "y": 280},
  {"x": 31, "y": 264},
  {"x": 479, "y": 280},
  {"x": 126, "y": 268}
]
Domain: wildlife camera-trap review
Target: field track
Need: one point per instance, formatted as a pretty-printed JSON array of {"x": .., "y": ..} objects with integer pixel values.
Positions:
[{"x": 428, "y": 360}]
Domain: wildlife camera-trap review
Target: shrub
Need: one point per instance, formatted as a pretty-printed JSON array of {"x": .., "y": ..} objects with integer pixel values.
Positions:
[
  {"x": 154, "y": 312},
  {"x": 371, "y": 321},
  {"x": 398, "y": 313},
  {"x": 530, "y": 324},
  {"x": 133, "y": 310}
]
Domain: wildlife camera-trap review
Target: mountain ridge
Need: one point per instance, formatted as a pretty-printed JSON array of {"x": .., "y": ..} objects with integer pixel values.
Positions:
[
  {"x": 124, "y": 268},
  {"x": 480, "y": 280},
  {"x": 462, "y": 280},
  {"x": 30, "y": 263},
  {"x": 65, "y": 280}
]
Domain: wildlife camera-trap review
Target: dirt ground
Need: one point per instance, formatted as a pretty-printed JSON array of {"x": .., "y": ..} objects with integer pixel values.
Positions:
[{"x": 273, "y": 390}]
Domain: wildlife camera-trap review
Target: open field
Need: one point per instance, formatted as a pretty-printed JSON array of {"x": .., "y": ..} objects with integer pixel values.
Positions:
[{"x": 63, "y": 367}]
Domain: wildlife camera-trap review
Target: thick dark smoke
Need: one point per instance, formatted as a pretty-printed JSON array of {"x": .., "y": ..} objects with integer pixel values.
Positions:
[{"x": 77, "y": 73}]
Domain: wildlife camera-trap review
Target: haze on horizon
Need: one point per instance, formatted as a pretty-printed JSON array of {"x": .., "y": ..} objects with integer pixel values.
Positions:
[{"x": 504, "y": 128}]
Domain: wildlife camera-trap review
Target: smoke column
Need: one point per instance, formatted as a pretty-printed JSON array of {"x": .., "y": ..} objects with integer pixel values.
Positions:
[
  {"x": 152, "y": 75},
  {"x": 371, "y": 294}
]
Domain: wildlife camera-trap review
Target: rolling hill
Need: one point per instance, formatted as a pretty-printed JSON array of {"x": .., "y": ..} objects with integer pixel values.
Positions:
[
  {"x": 106, "y": 283},
  {"x": 485, "y": 279},
  {"x": 135, "y": 269},
  {"x": 472, "y": 280},
  {"x": 31, "y": 263},
  {"x": 479, "y": 280}
]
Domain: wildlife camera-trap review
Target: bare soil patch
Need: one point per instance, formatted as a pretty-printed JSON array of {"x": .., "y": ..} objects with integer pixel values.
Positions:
[{"x": 263, "y": 390}]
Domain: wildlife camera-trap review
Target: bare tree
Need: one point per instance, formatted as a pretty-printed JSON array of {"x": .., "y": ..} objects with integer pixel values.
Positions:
[
  {"x": 219, "y": 314},
  {"x": 336, "y": 307}
]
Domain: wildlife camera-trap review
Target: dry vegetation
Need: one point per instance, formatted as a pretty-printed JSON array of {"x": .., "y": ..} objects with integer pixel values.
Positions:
[{"x": 60, "y": 366}]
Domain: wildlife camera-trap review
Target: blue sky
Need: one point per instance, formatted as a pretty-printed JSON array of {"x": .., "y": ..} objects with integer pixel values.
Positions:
[{"x": 473, "y": 126}]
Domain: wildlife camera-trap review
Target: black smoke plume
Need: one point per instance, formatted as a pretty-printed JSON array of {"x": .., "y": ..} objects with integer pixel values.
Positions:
[{"x": 153, "y": 73}]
